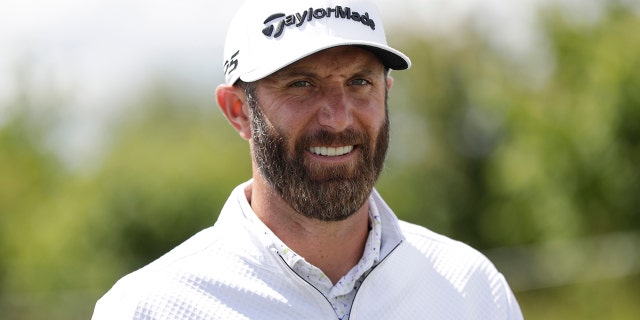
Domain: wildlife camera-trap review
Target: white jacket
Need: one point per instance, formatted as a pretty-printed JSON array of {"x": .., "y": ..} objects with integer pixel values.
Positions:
[{"x": 229, "y": 271}]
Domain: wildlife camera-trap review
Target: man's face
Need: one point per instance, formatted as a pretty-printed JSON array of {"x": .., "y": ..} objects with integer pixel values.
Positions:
[{"x": 320, "y": 131}]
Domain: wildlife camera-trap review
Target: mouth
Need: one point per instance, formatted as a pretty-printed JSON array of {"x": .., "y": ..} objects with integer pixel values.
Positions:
[{"x": 331, "y": 151}]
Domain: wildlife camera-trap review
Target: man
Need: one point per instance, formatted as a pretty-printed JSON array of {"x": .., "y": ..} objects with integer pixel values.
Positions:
[{"x": 308, "y": 237}]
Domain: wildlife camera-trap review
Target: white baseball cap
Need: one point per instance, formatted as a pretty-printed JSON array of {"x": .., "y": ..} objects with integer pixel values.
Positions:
[{"x": 268, "y": 35}]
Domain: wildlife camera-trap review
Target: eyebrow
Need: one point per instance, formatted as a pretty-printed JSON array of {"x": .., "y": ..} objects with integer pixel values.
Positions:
[{"x": 294, "y": 72}]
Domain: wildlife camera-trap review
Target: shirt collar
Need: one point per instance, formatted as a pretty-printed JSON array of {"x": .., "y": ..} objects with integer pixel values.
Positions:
[{"x": 384, "y": 235}]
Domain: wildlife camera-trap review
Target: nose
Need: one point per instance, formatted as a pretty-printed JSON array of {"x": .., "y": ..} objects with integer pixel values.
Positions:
[{"x": 335, "y": 112}]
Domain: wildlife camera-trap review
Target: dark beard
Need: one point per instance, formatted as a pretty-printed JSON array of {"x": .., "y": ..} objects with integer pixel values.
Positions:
[{"x": 331, "y": 193}]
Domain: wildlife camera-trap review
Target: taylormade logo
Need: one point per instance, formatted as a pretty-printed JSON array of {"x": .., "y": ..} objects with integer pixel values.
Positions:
[{"x": 276, "y": 29}]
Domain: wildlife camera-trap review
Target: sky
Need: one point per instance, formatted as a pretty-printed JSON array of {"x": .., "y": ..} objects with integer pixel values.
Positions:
[
  {"x": 97, "y": 46},
  {"x": 99, "y": 53}
]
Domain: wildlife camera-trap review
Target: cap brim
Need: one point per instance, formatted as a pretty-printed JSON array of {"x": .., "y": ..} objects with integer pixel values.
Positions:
[{"x": 391, "y": 58}]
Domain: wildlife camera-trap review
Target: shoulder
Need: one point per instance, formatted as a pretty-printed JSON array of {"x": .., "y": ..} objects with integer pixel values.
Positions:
[
  {"x": 429, "y": 241},
  {"x": 142, "y": 290},
  {"x": 450, "y": 264},
  {"x": 182, "y": 279},
  {"x": 449, "y": 257},
  {"x": 433, "y": 272}
]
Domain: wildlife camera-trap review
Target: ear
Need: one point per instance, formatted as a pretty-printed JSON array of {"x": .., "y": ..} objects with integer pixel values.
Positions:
[
  {"x": 389, "y": 83},
  {"x": 233, "y": 103}
]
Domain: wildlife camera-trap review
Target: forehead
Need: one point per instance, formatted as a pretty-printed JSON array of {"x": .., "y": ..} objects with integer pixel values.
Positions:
[{"x": 342, "y": 60}]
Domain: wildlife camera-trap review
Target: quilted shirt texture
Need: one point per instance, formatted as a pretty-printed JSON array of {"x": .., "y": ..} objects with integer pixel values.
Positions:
[{"x": 233, "y": 271}]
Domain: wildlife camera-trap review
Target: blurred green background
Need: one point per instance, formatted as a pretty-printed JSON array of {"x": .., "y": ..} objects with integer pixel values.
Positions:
[{"x": 533, "y": 159}]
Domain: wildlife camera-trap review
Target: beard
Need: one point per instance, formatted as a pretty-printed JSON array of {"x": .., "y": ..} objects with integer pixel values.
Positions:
[{"x": 322, "y": 192}]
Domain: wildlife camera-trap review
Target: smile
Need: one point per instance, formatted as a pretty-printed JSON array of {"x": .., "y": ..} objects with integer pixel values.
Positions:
[{"x": 331, "y": 151}]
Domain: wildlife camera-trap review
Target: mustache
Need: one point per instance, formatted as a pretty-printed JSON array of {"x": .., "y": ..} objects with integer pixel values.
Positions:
[{"x": 325, "y": 137}]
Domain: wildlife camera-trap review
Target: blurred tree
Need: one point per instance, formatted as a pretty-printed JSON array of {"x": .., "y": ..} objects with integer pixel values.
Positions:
[
  {"x": 498, "y": 161},
  {"x": 478, "y": 152},
  {"x": 29, "y": 179},
  {"x": 171, "y": 168}
]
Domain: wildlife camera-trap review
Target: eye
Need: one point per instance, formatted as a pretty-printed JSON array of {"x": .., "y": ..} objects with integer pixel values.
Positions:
[
  {"x": 359, "y": 82},
  {"x": 300, "y": 84}
]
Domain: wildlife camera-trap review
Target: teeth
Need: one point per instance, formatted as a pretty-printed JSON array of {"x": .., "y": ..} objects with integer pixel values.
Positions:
[{"x": 330, "y": 151}]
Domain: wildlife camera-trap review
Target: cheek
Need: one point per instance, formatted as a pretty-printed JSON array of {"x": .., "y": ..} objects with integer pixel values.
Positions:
[
  {"x": 287, "y": 133},
  {"x": 288, "y": 112},
  {"x": 372, "y": 118},
  {"x": 371, "y": 104},
  {"x": 292, "y": 123}
]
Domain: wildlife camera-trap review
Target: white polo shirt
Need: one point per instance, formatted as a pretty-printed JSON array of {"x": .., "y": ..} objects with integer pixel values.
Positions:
[{"x": 235, "y": 270}]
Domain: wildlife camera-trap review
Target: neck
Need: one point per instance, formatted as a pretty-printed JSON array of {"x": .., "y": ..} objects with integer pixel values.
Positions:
[{"x": 333, "y": 246}]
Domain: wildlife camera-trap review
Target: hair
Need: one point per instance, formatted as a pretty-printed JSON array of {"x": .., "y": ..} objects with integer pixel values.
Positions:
[{"x": 249, "y": 89}]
